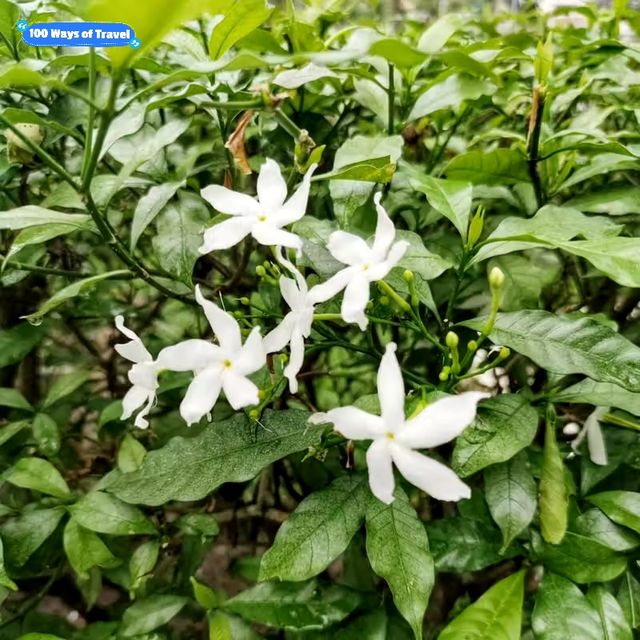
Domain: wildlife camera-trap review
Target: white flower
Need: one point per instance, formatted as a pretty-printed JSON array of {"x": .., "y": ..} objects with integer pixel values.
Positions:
[
  {"x": 395, "y": 439},
  {"x": 143, "y": 375},
  {"x": 366, "y": 264},
  {"x": 296, "y": 325},
  {"x": 595, "y": 438},
  {"x": 263, "y": 217},
  {"x": 216, "y": 367}
]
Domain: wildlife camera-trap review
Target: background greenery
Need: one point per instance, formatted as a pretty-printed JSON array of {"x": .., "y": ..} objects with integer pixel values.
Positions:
[{"x": 500, "y": 140}]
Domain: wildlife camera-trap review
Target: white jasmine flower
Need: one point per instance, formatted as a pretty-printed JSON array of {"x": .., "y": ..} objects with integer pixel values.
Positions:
[
  {"x": 224, "y": 366},
  {"x": 296, "y": 325},
  {"x": 262, "y": 217},
  {"x": 395, "y": 439},
  {"x": 143, "y": 375},
  {"x": 592, "y": 430},
  {"x": 366, "y": 264}
]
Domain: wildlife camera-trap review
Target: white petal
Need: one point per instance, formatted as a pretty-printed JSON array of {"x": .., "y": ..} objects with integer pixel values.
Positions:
[
  {"x": 296, "y": 206},
  {"x": 271, "y": 236},
  {"x": 354, "y": 303},
  {"x": 595, "y": 437},
  {"x": 302, "y": 284},
  {"x": 391, "y": 390},
  {"x": 226, "y": 234},
  {"x": 230, "y": 202},
  {"x": 296, "y": 361},
  {"x": 290, "y": 292},
  {"x": 189, "y": 355},
  {"x": 144, "y": 375},
  {"x": 278, "y": 338},
  {"x": 134, "y": 351},
  {"x": 432, "y": 477},
  {"x": 201, "y": 395},
  {"x": 441, "y": 421},
  {"x": 352, "y": 423},
  {"x": 224, "y": 325},
  {"x": 380, "y": 269},
  {"x": 252, "y": 356},
  {"x": 385, "y": 231},
  {"x": 240, "y": 391},
  {"x": 348, "y": 248},
  {"x": 380, "y": 470},
  {"x": 141, "y": 418},
  {"x": 272, "y": 189},
  {"x": 332, "y": 287},
  {"x": 134, "y": 398}
]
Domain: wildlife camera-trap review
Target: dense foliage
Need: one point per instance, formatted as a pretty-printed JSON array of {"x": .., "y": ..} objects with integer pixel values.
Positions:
[{"x": 476, "y": 175}]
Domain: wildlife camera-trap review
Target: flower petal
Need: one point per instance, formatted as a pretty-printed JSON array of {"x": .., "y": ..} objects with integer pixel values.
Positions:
[
  {"x": 352, "y": 423},
  {"x": 141, "y": 418},
  {"x": 356, "y": 296},
  {"x": 224, "y": 325},
  {"x": 380, "y": 469},
  {"x": 302, "y": 283},
  {"x": 441, "y": 421},
  {"x": 272, "y": 189},
  {"x": 201, "y": 395},
  {"x": 385, "y": 231},
  {"x": 134, "y": 398},
  {"x": 189, "y": 355},
  {"x": 380, "y": 269},
  {"x": 332, "y": 287},
  {"x": 134, "y": 351},
  {"x": 296, "y": 206},
  {"x": 296, "y": 361},
  {"x": 291, "y": 293},
  {"x": 240, "y": 391},
  {"x": 271, "y": 236},
  {"x": 252, "y": 355},
  {"x": 226, "y": 234},
  {"x": 391, "y": 390},
  {"x": 349, "y": 248},
  {"x": 233, "y": 203},
  {"x": 278, "y": 338},
  {"x": 429, "y": 475}
]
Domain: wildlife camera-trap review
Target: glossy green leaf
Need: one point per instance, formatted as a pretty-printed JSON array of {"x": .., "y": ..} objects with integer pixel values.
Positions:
[
  {"x": 39, "y": 475},
  {"x": 46, "y": 433},
  {"x": 5, "y": 580},
  {"x": 231, "y": 451},
  {"x": 14, "y": 399},
  {"x": 85, "y": 549},
  {"x": 496, "y": 615},
  {"x": 317, "y": 532},
  {"x": 600, "y": 394},
  {"x": 628, "y": 597},
  {"x": 615, "y": 201},
  {"x": 142, "y": 562},
  {"x": 564, "y": 345},
  {"x": 18, "y": 341},
  {"x": 502, "y": 166},
  {"x": 64, "y": 386},
  {"x": 378, "y": 170},
  {"x": 504, "y": 425},
  {"x": 130, "y": 454},
  {"x": 31, "y": 215},
  {"x": 594, "y": 524},
  {"x": 149, "y": 206},
  {"x": 511, "y": 494},
  {"x": 149, "y": 614},
  {"x": 553, "y": 498},
  {"x": 611, "y": 615},
  {"x": 622, "y": 507}
]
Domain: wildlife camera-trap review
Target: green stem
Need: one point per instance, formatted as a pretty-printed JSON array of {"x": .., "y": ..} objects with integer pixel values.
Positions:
[
  {"x": 391, "y": 95},
  {"x": 88, "y": 143},
  {"x": 21, "y": 266}
]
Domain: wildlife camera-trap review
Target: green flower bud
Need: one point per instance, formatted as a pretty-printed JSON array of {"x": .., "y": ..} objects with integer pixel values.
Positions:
[
  {"x": 472, "y": 345},
  {"x": 262, "y": 394},
  {"x": 496, "y": 278},
  {"x": 245, "y": 301},
  {"x": 261, "y": 272},
  {"x": 384, "y": 301},
  {"x": 476, "y": 226},
  {"x": 408, "y": 276},
  {"x": 452, "y": 340},
  {"x": 444, "y": 374},
  {"x": 254, "y": 414},
  {"x": 505, "y": 352}
]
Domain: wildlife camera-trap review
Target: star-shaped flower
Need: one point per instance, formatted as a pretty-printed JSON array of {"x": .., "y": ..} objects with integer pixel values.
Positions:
[
  {"x": 263, "y": 217},
  {"x": 366, "y": 264},
  {"x": 395, "y": 439}
]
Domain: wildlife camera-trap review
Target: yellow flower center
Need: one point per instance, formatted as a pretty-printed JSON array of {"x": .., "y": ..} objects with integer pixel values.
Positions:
[
  {"x": 262, "y": 218},
  {"x": 390, "y": 436},
  {"x": 227, "y": 364},
  {"x": 365, "y": 267}
]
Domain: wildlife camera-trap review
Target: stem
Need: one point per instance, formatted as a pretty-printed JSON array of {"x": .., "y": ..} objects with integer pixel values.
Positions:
[
  {"x": 391, "y": 95},
  {"x": 21, "y": 266},
  {"x": 533, "y": 141},
  {"x": 89, "y": 133}
]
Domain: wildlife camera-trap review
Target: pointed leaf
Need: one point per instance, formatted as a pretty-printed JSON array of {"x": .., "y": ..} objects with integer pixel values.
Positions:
[
  {"x": 39, "y": 475},
  {"x": 553, "y": 499}
]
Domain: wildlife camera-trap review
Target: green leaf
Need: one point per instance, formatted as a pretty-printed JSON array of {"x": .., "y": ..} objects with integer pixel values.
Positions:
[
  {"x": 437, "y": 35},
  {"x": 240, "y": 19},
  {"x": 199, "y": 524},
  {"x": 449, "y": 93},
  {"x": 205, "y": 596},
  {"x": 130, "y": 454},
  {"x": 398, "y": 550},
  {"x": 31, "y": 215},
  {"x": 317, "y": 532},
  {"x": 149, "y": 206},
  {"x": 104, "y": 513},
  {"x": 622, "y": 507},
  {"x": 72, "y": 291},
  {"x": 599, "y": 165},
  {"x": 496, "y": 615},
  {"x": 231, "y": 451},
  {"x": 17, "y": 342},
  {"x": 149, "y": 614},
  {"x": 40, "y": 234},
  {"x": 553, "y": 498},
  {"x": 21, "y": 74},
  {"x": 142, "y": 562},
  {"x": 14, "y": 399},
  {"x": 298, "y": 606},
  {"x": 594, "y": 524},
  {"x": 564, "y": 345},
  {"x": 226, "y": 627},
  {"x": 24, "y": 535},
  {"x": 562, "y": 612},
  {"x": 39, "y": 636},
  {"x": 46, "y": 432},
  {"x": 85, "y": 549},
  {"x": 378, "y": 170},
  {"x": 9, "y": 430},
  {"x": 39, "y": 475},
  {"x": 504, "y": 425},
  {"x": 614, "y": 201},
  {"x": 629, "y": 598},
  {"x": 179, "y": 236},
  {"x": 599, "y": 394},
  {"x": 614, "y": 625},
  {"x": 511, "y": 494},
  {"x": 64, "y": 386},
  {"x": 5, "y": 580},
  {"x": 397, "y": 52},
  {"x": 450, "y": 198},
  {"x": 501, "y": 166}
]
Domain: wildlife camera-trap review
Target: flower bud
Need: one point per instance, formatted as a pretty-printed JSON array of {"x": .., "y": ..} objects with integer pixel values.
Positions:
[
  {"x": 384, "y": 301},
  {"x": 472, "y": 345},
  {"x": 262, "y": 394},
  {"x": 452, "y": 340},
  {"x": 505, "y": 352},
  {"x": 476, "y": 226},
  {"x": 261, "y": 271},
  {"x": 238, "y": 314},
  {"x": 444, "y": 374},
  {"x": 496, "y": 278},
  {"x": 245, "y": 301},
  {"x": 408, "y": 276},
  {"x": 254, "y": 414}
]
